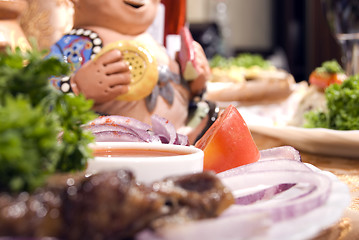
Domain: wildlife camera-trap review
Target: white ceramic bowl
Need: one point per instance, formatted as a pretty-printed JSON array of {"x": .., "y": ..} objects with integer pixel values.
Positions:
[{"x": 143, "y": 160}]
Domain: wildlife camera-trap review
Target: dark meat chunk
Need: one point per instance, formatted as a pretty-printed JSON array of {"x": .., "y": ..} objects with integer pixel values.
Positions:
[
  {"x": 111, "y": 205},
  {"x": 192, "y": 197},
  {"x": 104, "y": 206},
  {"x": 38, "y": 214}
]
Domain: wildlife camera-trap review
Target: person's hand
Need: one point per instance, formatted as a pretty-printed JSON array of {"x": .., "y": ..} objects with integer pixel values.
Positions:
[
  {"x": 104, "y": 78},
  {"x": 204, "y": 72}
]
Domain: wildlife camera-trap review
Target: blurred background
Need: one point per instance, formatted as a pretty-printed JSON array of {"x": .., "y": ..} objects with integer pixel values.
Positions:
[{"x": 292, "y": 34}]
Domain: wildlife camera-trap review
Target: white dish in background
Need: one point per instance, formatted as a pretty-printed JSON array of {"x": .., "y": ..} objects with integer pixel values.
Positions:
[
  {"x": 147, "y": 168},
  {"x": 314, "y": 140},
  {"x": 272, "y": 120}
]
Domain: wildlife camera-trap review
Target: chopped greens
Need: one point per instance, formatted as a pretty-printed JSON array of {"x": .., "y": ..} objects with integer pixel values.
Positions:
[
  {"x": 330, "y": 67},
  {"x": 245, "y": 60},
  {"x": 342, "y": 107},
  {"x": 40, "y": 127}
]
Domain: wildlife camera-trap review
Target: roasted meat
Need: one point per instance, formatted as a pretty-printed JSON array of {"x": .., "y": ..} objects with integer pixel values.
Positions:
[
  {"x": 111, "y": 205},
  {"x": 38, "y": 214},
  {"x": 189, "y": 197}
]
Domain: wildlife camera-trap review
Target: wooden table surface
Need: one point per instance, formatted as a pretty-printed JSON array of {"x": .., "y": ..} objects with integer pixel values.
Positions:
[{"x": 346, "y": 169}]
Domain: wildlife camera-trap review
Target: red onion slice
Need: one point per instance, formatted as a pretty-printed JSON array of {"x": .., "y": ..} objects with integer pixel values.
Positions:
[
  {"x": 285, "y": 152},
  {"x": 164, "y": 129},
  {"x": 117, "y": 133},
  {"x": 264, "y": 194},
  {"x": 125, "y": 129},
  {"x": 95, "y": 128},
  {"x": 268, "y": 165},
  {"x": 116, "y": 136},
  {"x": 286, "y": 208},
  {"x": 120, "y": 120},
  {"x": 181, "y": 140}
]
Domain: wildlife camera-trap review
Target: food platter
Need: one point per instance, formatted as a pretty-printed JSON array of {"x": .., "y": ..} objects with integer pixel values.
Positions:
[
  {"x": 258, "y": 226},
  {"x": 315, "y": 140}
]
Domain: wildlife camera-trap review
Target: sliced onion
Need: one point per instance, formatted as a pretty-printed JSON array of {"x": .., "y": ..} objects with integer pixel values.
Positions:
[
  {"x": 116, "y": 136},
  {"x": 143, "y": 135},
  {"x": 285, "y": 152},
  {"x": 288, "y": 207},
  {"x": 269, "y": 165},
  {"x": 108, "y": 127},
  {"x": 120, "y": 120},
  {"x": 164, "y": 129},
  {"x": 181, "y": 140},
  {"x": 124, "y": 129},
  {"x": 264, "y": 194},
  {"x": 154, "y": 138}
]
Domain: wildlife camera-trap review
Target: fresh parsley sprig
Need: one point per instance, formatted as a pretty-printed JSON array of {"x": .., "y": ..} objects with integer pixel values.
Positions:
[
  {"x": 29, "y": 149},
  {"x": 40, "y": 128},
  {"x": 342, "y": 111}
]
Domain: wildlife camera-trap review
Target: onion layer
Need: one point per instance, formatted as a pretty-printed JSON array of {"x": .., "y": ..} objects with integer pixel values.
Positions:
[
  {"x": 279, "y": 184},
  {"x": 297, "y": 203},
  {"x": 124, "y": 129},
  {"x": 285, "y": 152}
]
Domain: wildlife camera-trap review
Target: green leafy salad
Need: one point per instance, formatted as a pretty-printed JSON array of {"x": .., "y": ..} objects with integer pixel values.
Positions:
[
  {"x": 40, "y": 127},
  {"x": 330, "y": 67},
  {"x": 245, "y": 60},
  {"x": 342, "y": 111}
]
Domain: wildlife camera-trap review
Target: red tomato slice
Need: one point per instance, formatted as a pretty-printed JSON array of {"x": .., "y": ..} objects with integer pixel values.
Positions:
[
  {"x": 228, "y": 143},
  {"x": 323, "y": 80}
]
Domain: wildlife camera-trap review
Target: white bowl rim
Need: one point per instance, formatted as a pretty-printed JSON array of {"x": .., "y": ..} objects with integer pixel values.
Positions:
[
  {"x": 188, "y": 150},
  {"x": 149, "y": 168}
]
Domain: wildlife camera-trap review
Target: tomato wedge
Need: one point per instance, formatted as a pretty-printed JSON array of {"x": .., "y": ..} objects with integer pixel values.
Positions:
[
  {"x": 228, "y": 143},
  {"x": 323, "y": 79}
]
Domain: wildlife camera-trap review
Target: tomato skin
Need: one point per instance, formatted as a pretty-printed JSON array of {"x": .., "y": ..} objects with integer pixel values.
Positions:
[
  {"x": 323, "y": 80},
  {"x": 228, "y": 143}
]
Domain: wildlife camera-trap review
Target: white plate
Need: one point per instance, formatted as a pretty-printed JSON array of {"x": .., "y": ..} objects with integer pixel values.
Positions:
[
  {"x": 314, "y": 140},
  {"x": 258, "y": 227},
  {"x": 272, "y": 120}
]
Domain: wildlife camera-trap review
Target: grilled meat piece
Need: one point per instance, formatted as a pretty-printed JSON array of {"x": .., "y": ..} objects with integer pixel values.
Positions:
[
  {"x": 110, "y": 205},
  {"x": 38, "y": 214},
  {"x": 192, "y": 197}
]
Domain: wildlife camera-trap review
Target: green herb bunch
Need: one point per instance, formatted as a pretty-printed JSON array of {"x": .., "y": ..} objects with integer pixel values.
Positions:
[
  {"x": 330, "y": 67},
  {"x": 245, "y": 60},
  {"x": 342, "y": 107},
  {"x": 40, "y": 127}
]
